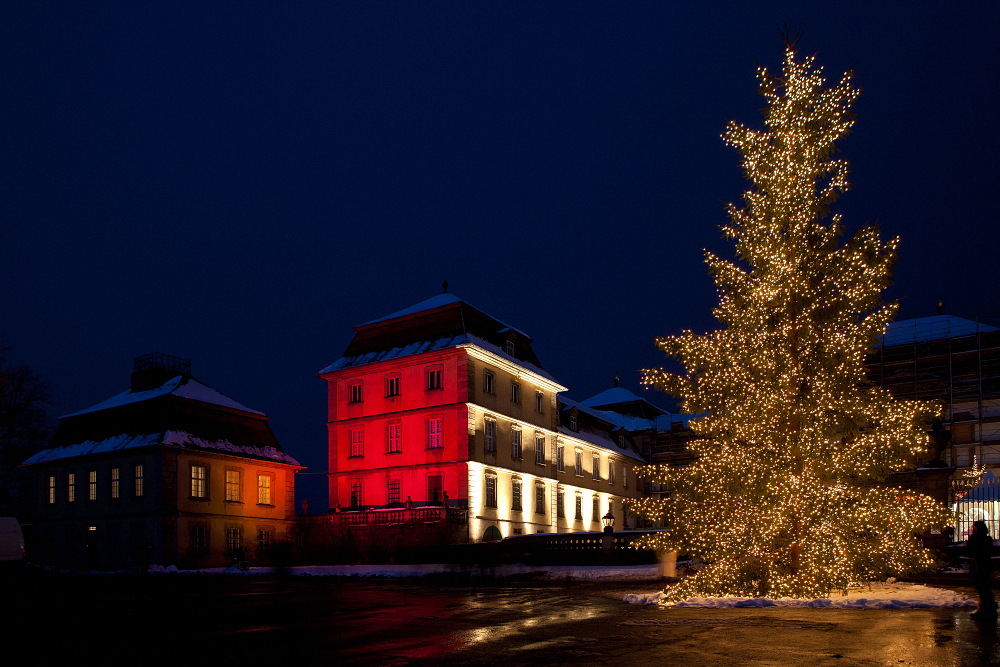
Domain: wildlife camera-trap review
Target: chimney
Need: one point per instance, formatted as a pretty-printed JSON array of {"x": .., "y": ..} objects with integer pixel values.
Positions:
[{"x": 153, "y": 369}]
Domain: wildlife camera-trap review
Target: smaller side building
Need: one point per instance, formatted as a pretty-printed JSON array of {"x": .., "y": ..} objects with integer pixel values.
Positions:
[{"x": 171, "y": 472}]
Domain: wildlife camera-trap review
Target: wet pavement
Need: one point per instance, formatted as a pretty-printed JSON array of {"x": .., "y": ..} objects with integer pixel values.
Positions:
[{"x": 243, "y": 620}]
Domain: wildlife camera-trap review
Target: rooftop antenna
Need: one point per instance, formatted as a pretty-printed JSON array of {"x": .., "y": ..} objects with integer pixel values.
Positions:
[
  {"x": 616, "y": 378},
  {"x": 940, "y": 305},
  {"x": 445, "y": 286}
]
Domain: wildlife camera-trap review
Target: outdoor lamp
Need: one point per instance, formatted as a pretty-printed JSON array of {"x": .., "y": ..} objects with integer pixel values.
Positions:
[{"x": 609, "y": 522}]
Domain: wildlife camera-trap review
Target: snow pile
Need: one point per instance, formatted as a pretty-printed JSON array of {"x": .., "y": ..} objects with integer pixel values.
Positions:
[{"x": 879, "y": 596}]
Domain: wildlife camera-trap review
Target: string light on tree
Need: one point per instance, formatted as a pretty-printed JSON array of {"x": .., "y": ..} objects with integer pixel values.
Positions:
[{"x": 774, "y": 502}]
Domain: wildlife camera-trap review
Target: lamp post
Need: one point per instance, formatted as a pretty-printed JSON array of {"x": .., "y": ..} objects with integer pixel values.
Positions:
[{"x": 609, "y": 522}]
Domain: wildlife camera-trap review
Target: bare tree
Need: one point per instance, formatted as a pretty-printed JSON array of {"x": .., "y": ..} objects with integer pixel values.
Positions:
[{"x": 25, "y": 428}]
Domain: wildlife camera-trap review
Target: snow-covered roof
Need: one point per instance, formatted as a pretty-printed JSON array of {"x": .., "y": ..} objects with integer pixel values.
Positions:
[
  {"x": 600, "y": 439},
  {"x": 183, "y": 386},
  {"x": 167, "y": 438},
  {"x": 937, "y": 327},
  {"x": 611, "y": 396},
  {"x": 439, "y": 301}
]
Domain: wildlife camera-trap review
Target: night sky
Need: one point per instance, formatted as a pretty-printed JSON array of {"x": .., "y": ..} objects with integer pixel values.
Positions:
[{"x": 241, "y": 183}]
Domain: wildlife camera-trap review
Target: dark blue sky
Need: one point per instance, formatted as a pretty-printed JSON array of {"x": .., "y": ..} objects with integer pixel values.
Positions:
[{"x": 240, "y": 183}]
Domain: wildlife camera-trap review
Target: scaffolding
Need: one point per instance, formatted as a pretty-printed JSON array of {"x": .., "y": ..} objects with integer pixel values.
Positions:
[{"x": 956, "y": 363}]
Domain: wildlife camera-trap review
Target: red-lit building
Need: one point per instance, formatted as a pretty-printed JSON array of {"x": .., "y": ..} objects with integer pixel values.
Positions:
[{"x": 440, "y": 400}]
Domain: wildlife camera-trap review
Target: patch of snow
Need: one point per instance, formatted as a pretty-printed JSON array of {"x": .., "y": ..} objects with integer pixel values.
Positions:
[
  {"x": 601, "y": 440},
  {"x": 879, "y": 596},
  {"x": 396, "y": 352},
  {"x": 117, "y": 443},
  {"x": 430, "y": 304},
  {"x": 182, "y": 439},
  {"x": 493, "y": 349},
  {"x": 127, "y": 397},
  {"x": 196, "y": 391},
  {"x": 190, "y": 389}
]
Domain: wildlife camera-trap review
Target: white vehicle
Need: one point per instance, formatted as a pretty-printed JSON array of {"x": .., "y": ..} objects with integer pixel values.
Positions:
[{"x": 11, "y": 541}]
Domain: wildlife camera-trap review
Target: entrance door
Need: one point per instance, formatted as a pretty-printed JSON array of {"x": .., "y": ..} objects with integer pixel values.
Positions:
[{"x": 434, "y": 489}]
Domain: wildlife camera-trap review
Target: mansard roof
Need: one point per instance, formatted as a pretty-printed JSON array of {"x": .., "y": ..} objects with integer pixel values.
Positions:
[
  {"x": 621, "y": 400},
  {"x": 441, "y": 322},
  {"x": 925, "y": 329}
]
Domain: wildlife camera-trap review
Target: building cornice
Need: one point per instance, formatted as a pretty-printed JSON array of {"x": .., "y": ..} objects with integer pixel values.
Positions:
[{"x": 509, "y": 366}]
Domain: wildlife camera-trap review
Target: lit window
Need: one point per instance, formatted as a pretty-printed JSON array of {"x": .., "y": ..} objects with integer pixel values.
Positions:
[
  {"x": 392, "y": 386},
  {"x": 71, "y": 487},
  {"x": 510, "y": 347},
  {"x": 233, "y": 485},
  {"x": 515, "y": 443},
  {"x": 263, "y": 540},
  {"x": 539, "y": 499},
  {"x": 92, "y": 485},
  {"x": 357, "y": 494},
  {"x": 52, "y": 490},
  {"x": 515, "y": 393},
  {"x": 488, "y": 384},
  {"x": 491, "y": 490},
  {"x": 596, "y": 516},
  {"x": 560, "y": 503},
  {"x": 393, "y": 439},
  {"x": 264, "y": 490},
  {"x": 199, "y": 482},
  {"x": 515, "y": 495},
  {"x": 434, "y": 379},
  {"x": 491, "y": 435},
  {"x": 138, "y": 481},
  {"x": 538, "y": 401},
  {"x": 560, "y": 459},
  {"x": 115, "y": 483},
  {"x": 434, "y": 433},
  {"x": 199, "y": 540},
  {"x": 234, "y": 538},
  {"x": 540, "y": 449},
  {"x": 394, "y": 494},
  {"x": 611, "y": 472},
  {"x": 356, "y": 393},
  {"x": 579, "y": 463},
  {"x": 357, "y": 442},
  {"x": 579, "y": 507},
  {"x": 597, "y": 466}
]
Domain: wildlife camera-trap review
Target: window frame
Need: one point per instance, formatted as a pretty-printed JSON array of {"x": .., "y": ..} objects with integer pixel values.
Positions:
[
  {"x": 356, "y": 448},
  {"x": 198, "y": 489},
  {"x": 560, "y": 503},
  {"x": 234, "y": 489},
  {"x": 394, "y": 443},
  {"x": 611, "y": 472},
  {"x": 490, "y": 490},
  {"x": 516, "y": 444},
  {"x": 394, "y": 489},
  {"x": 357, "y": 392},
  {"x": 199, "y": 540},
  {"x": 573, "y": 425},
  {"x": 516, "y": 495},
  {"x": 578, "y": 506},
  {"x": 435, "y": 440},
  {"x": 264, "y": 541},
  {"x": 539, "y": 449},
  {"x": 560, "y": 458},
  {"x": 578, "y": 467},
  {"x": 115, "y": 487},
  {"x": 489, "y": 382},
  {"x": 52, "y": 490},
  {"x": 515, "y": 392},
  {"x": 434, "y": 378},
  {"x": 234, "y": 538},
  {"x": 138, "y": 478},
  {"x": 624, "y": 477},
  {"x": 539, "y": 402},
  {"x": 393, "y": 385},
  {"x": 509, "y": 348},
  {"x": 596, "y": 465},
  {"x": 91, "y": 485},
  {"x": 490, "y": 434},
  {"x": 539, "y": 498},
  {"x": 357, "y": 490},
  {"x": 265, "y": 491},
  {"x": 71, "y": 487},
  {"x": 596, "y": 509}
]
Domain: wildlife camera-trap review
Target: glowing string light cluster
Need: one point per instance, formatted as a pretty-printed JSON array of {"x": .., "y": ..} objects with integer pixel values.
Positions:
[{"x": 778, "y": 501}]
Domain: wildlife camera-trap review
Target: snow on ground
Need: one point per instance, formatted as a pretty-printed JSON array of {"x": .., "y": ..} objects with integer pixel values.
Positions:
[
  {"x": 879, "y": 596},
  {"x": 547, "y": 572}
]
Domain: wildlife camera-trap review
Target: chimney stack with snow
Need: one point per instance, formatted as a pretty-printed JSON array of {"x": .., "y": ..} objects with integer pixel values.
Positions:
[{"x": 153, "y": 369}]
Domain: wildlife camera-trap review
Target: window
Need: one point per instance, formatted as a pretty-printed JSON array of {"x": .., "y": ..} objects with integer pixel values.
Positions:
[
  {"x": 488, "y": 382},
  {"x": 560, "y": 503},
  {"x": 199, "y": 482},
  {"x": 393, "y": 439},
  {"x": 515, "y": 495},
  {"x": 510, "y": 347},
  {"x": 560, "y": 459},
  {"x": 515, "y": 443},
  {"x": 539, "y": 499},
  {"x": 357, "y": 442},
  {"x": 393, "y": 494},
  {"x": 515, "y": 393},
  {"x": 540, "y": 449},
  {"x": 572, "y": 422},
  {"x": 611, "y": 472},
  {"x": 71, "y": 487},
  {"x": 434, "y": 379},
  {"x": 392, "y": 385},
  {"x": 538, "y": 401},
  {"x": 621, "y": 440},
  {"x": 199, "y": 540},
  {"x": 138, "y": 481},
  {"x": 434, "y": 433},
  {"x": 115, "y": 483},
  {"x": 263, "y": 540},
  {"x": 491, "y": 435},
  {"x": 579, "y": 507},
  {"x": 357, "y": 494},
  {"x": 92, "y": 485},
  {"x": 234, "y": 538},
  {"x": 491, "y": 490},
  {"x": 597, "y": 466},
  {"x": 233, "y": 494},
  {"x": 625, "y": 477},
  {"x": 264, "y": 490},
  {"x": 579, "y": 463},
  {"x": 356, "y": 395},
  {"x": 596, "y": 515},
  {"x": 52, "y": 490}
]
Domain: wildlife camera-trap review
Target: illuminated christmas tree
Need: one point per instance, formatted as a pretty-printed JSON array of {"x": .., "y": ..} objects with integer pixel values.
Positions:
[{"x": 779, "y": 501}]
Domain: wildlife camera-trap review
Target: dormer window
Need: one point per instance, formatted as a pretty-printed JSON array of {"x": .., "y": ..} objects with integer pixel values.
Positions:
[
  {"x": 510, "y": 347},
  {"x": 572, "y": 422},
  {"x": 621, "y": 440}
]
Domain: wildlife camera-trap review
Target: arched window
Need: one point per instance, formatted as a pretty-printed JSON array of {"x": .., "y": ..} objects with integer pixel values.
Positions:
[{"x": 492, "y": 534}]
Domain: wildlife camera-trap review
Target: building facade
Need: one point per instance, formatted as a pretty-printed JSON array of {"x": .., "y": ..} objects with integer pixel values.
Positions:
[
  {"x": 170, "y": 472},
  {"x": 441, "y": 403}
]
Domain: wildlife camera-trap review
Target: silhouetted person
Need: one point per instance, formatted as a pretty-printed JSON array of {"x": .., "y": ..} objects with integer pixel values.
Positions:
[
  {"x": 980, "y": 547},
  {"x": 445, "y": 494},
  {"x": 409, "y": 503},
  {"x": 434, "y": 496}
]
